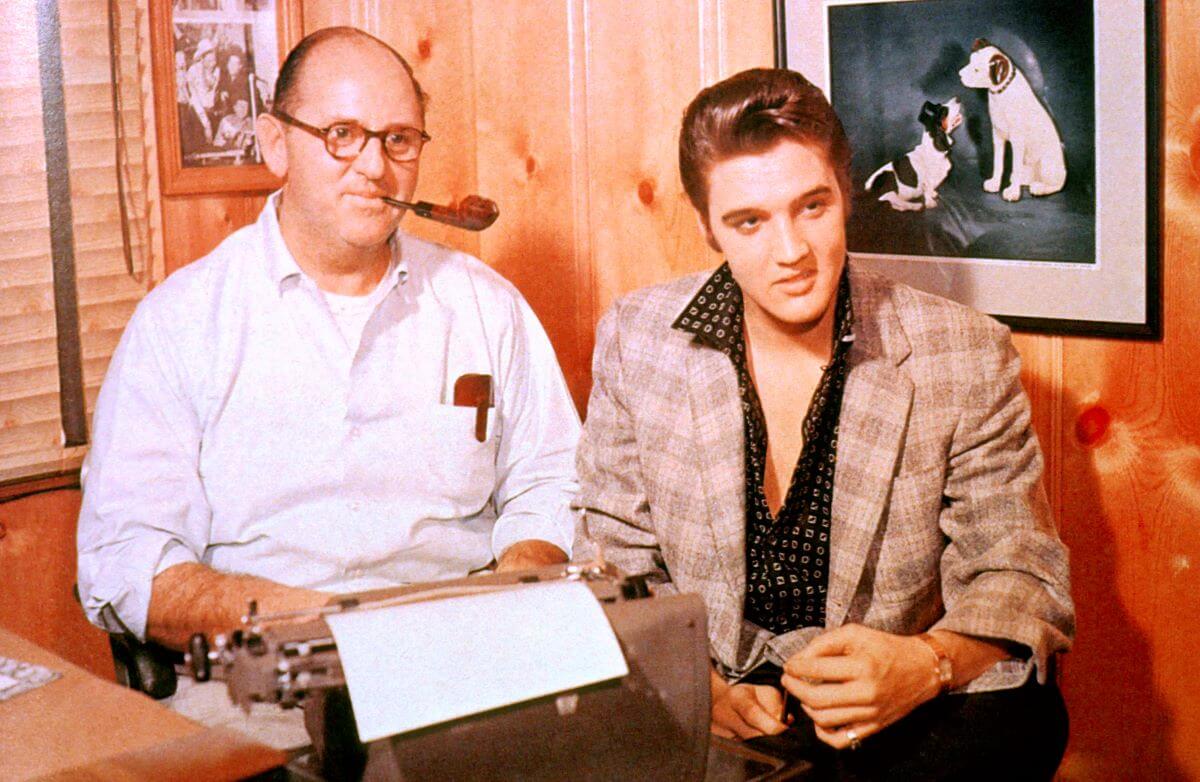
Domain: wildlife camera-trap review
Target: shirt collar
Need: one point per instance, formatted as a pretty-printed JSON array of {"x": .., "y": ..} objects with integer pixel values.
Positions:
[
  {"x": 714, "y": 315},
  {"x": 286, "y": 273}
]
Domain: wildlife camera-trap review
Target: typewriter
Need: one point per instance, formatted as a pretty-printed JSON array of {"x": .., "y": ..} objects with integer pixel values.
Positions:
[{"x": 650, "y": 724}]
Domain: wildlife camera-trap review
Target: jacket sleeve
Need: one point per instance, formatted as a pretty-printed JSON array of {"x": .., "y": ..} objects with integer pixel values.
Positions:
[
  {"x": 1004, "y": 571},
  {"x": 616, "y": 520}
]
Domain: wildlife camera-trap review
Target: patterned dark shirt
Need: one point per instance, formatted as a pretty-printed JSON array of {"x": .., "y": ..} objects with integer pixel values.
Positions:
[{"x": 787, "y": 558}]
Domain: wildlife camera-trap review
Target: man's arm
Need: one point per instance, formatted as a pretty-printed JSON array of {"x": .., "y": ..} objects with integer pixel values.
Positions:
[
  {"x": 144, "y": 507},
  {"x": 1005, "y": 572},
  {"x": 1004, "y": 576},
  {"x": 191, "y": 598},
  {"x": 535, "y": 470},
  {"x": 612, "y": 495}
]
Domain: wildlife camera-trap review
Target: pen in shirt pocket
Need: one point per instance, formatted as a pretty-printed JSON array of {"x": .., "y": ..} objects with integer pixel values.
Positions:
[{"x": 473, "y": 390}]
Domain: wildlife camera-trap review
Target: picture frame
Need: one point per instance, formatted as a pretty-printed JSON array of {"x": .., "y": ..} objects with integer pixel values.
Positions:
[
  {"x": 1082, "y": 256},
  {"x": 214, "y": 65}
]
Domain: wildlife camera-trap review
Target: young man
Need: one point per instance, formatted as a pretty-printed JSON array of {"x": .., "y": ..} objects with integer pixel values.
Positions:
[
  {"x": 843, "y": 467},
  {"x": 281, "y": 420}
]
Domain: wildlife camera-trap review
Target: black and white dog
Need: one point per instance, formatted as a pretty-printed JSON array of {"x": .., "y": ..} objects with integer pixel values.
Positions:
[
  {"x": 909, "y": 183},
  {"x": 1019, "y": 120}
]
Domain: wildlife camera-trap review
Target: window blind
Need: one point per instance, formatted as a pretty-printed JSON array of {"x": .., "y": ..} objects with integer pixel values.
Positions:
[{"x": 111, "y": 259}]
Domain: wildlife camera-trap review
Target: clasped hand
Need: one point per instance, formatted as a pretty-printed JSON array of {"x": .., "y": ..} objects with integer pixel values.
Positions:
[
  {"x": 851, "y": 678},
  {"x": 745, "y": 711},
  {"x": 857, "y": 679}
]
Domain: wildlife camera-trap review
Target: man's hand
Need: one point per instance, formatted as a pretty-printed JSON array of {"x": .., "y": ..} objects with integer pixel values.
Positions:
[
  {"x": 530, "y": 554},
  {"x": 745, "y": 711},
  {"x": 856, "y": 679}
]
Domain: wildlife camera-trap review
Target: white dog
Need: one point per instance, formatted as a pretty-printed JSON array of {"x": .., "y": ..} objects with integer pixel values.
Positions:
[
  {"x": 1018, "y": 117},
  {"x": 915, "y": 177}
]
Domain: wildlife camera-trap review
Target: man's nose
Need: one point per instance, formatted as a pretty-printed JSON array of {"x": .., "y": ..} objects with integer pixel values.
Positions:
[
  {"x": 370, "y": 161},
  {"x": 791, "y": 243}
]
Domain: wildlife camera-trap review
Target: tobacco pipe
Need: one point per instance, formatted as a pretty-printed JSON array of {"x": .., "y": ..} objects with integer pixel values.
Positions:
[{"x": 474, "y": 213}]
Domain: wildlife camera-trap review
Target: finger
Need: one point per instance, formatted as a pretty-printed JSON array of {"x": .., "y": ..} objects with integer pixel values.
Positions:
[
  {"x": 734, "y": 711},
  {"x": 831, "y": 642},
  {"x": 840, "y": 738},
  {"x": 834, "y": 738},
  {"x": 724, "y": 718},
  {"x": 831, "y": 669},
  {"x": 840, "y": 717},
  {"x": 754, "y": 714},
  {"x": 771, "y": 699},
  {"x": 717, "y": 729},
  {"x": 825, "y": 696}
]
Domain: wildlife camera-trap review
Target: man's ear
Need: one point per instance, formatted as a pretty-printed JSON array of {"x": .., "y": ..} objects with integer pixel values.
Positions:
[
  {"x": 272, "y": 144},
  {"x": 702, "y": 222}
]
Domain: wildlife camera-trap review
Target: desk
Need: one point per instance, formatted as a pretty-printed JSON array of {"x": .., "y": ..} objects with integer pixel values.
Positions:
[{"x": 80, "y": 727}]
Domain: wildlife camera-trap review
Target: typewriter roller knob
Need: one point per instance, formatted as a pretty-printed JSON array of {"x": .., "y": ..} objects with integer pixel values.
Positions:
[
  {"x": 635, "y": 588},
  {"x": 198, "y": 657}
]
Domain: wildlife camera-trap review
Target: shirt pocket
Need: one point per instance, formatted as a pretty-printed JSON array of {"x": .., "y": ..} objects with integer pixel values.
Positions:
[{"x": 459, "y": 470}]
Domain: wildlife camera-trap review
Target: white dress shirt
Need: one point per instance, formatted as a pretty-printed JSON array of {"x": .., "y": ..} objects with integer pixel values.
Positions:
[{"x": 238, "y": 427}]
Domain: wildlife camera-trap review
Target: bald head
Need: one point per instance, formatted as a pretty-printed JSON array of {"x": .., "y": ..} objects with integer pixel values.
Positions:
[{"x": 331, "y": 42}]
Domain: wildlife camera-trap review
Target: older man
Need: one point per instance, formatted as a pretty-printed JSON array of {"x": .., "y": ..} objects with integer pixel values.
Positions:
[
  {"x": 298, "y": 412},
  {"x": 842, "y": 466}
]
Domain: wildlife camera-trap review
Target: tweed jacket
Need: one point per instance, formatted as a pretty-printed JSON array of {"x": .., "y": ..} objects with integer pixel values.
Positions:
[{"x": 939, "y": 518}]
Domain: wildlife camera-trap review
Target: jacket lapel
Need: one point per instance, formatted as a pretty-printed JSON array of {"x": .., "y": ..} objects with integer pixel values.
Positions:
[
  {"x": 875, "y": 408},
  {"x": 717, "y": 426}
]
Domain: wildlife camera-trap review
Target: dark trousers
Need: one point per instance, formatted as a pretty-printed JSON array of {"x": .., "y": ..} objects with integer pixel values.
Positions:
[{"x": 1017, "y": 734}]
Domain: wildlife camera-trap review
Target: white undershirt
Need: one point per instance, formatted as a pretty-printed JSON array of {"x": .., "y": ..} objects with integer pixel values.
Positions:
[{"x": 352, "y": 312}]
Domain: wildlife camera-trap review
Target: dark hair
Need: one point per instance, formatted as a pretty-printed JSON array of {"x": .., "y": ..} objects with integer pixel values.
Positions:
[
  {"x": 287, "y": 86},
  {"x": 748, "y": 114}
]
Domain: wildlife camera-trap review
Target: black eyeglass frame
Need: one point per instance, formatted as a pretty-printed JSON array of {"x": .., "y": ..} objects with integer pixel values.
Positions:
[{"x": 368, "y": 134}]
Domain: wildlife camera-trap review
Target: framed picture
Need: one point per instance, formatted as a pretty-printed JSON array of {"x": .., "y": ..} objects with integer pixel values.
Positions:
[
  {"x": 214, "y": 65},
  {"x": 1006, "y": 152}
]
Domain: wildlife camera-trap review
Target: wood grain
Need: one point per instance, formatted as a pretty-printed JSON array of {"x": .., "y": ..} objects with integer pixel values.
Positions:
[
  {"x": 1131, "y": 496},
  {"x": 525, "y": 152},
  {"x": 566, "y": 113},
  {"x": 37, "y": 577},
  {"x": 81, "y": 727},
  {"x": 644, "y": 63},
  {"x": 194, "y": 225},
  {"x": 435, "y": 37}
]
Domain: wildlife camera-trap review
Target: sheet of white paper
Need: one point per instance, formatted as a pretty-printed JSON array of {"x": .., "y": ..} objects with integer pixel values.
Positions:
[
  {"x": 414, "y": 665},
  {"x": 17, "y": 677}
]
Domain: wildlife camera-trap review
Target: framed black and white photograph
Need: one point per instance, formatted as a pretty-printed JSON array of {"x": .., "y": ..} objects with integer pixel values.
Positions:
[
  {"x": 1005, "y": 151},
  {"x": 215, "y": 66}
]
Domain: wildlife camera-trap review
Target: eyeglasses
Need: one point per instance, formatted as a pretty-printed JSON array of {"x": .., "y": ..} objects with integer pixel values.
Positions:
[{"x": 345, "y": 140}]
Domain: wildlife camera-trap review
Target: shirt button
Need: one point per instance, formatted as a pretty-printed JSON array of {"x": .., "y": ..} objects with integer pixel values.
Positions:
[
  {"x": 355, "y": 505},
  {"x": 355, "y": 432}
]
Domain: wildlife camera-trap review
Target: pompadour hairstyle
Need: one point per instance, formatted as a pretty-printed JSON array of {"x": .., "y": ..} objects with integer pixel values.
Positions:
[
  {"x": 748, "y": 114},
  {"x": 287, "y": 86}
]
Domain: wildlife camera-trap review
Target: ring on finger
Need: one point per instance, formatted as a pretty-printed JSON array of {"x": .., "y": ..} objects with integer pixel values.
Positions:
[{"x": 855, "y": 741}]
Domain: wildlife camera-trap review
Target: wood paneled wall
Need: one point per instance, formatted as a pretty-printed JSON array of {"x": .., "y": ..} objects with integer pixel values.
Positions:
[
  {"x": 37, "y": 579},
  {"x": 565, "y": 112}
]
